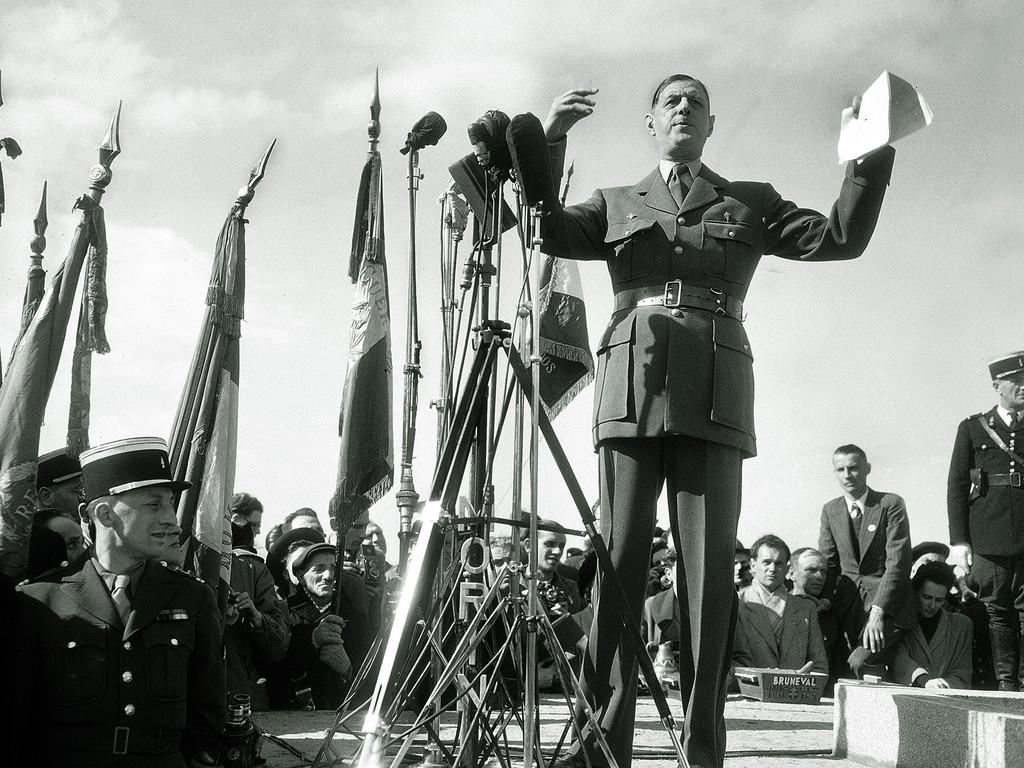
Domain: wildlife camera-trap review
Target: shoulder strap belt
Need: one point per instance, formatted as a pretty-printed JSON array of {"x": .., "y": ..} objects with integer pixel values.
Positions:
[{"x": 997, "y": 439}]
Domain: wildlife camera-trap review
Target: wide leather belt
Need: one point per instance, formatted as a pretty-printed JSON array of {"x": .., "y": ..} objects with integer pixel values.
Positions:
[
  {"x": 117, "y": 741},
  {"x": 675, "y": 294},
  {"x": 1014, "y": 479}
]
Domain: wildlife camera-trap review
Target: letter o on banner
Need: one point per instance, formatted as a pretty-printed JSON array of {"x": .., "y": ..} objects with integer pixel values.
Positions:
[{"x": 467, "y": 555}]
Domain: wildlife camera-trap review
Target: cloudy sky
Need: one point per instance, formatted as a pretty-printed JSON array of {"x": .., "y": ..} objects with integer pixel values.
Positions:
[{"x": 887, "y": 351}]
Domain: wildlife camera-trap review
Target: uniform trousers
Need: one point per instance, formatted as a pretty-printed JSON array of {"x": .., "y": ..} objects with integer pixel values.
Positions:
[
  {"x": 1000, "y": 585},
  {"x": 703, "y": 481}
]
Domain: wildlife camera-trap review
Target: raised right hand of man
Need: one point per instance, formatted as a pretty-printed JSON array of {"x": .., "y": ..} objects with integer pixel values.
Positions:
[
  {"x": 328, "y": 631},
  {"x": 567, "y": 110}
]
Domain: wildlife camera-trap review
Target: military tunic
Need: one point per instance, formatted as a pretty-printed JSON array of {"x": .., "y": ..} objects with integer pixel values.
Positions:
[{"x": 105, "y": 694}]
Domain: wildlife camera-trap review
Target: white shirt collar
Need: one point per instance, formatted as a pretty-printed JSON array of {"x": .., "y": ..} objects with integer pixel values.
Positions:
[
  {"x": 861, "y": 502},
  {"x": 1004, "y": 414},
  {"x": 666, "y": 167}
]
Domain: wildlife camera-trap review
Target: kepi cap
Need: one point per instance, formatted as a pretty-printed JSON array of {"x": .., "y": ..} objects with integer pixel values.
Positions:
[
  {"x": 57, "y": 467},
  {"x": 125, "y": 465},
  {"x": 1006, "y": 365}
]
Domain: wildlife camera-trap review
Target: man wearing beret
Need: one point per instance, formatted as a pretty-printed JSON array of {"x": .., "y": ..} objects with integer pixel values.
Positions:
[
  {"x": 674, "y": 386},
  {"x": 985, "y": 504},
  {"x": 121, "y": 657}
]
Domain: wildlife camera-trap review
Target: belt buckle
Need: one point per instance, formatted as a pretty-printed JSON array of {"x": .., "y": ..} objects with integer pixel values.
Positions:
[
  {"x": 121, "y": 740},
  {"x": 673, "y": 293},
  {"x": 1015, "y": 480}
]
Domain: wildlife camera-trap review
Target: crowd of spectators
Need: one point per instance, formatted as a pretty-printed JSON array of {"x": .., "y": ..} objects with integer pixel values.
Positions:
[{"x": 299, "y": 622}]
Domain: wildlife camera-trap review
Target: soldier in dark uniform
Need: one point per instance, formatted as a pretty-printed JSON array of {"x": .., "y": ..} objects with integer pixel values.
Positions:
[
  {"x": 985, "y": 502},
  {"x": 674, "y": 387},
  {"x": 120, "y": 657}
]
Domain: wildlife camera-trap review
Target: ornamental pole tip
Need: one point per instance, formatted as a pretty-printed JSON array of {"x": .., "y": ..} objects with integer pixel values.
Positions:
[
  {"x": 40, "y": 222},
  {"x": 246, "y": 193},
  {"x": 111, "y": 146}
]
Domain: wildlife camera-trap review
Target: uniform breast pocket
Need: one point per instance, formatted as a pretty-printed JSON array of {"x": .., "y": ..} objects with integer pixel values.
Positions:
[
  {"x": 168, "y": 650},
  {"x": 733, "y": 394},
  {"x": 727, "y": 250},
  {"x": 614, "y": 400},
  {"x": 76, "y": 664},
  {"x": 635, "y": 243}
]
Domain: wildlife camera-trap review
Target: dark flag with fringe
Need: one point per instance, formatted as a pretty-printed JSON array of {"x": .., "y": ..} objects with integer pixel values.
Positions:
[
  {"x": 205, "y": 433},
  {"x": 366, "y": 465},
  {"x": 25, "y": 392},
  {"x": 567, "y": 365}
]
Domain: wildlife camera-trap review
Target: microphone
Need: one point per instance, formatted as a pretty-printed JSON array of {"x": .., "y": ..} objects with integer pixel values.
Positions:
[
  {"x": 530, "y": 159},
  {"x": 427, "y": 131},
  {"x": 487, "y": 135}
]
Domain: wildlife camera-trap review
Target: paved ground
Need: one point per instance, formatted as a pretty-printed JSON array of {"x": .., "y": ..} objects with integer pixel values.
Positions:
[{"x": 760, "y": 735}]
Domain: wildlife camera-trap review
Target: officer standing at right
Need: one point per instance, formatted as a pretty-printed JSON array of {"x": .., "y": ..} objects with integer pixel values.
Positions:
[{"x": 986, "y": 514}]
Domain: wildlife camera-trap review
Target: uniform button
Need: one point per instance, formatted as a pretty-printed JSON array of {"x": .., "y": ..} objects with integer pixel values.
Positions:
[
  {"x": 72, "y": 644},
  {"x": 174, "y": 641},
  {"x": 680, "y": 220},
  {"x": 129, "y": 709},
  {"x": 126, "y": 676},
  {"x": 678, "y": 313},
  {"x": 678, "y": 250},
  {"x": 128, "y": 645},
  {"x": 732, "y": 233}
]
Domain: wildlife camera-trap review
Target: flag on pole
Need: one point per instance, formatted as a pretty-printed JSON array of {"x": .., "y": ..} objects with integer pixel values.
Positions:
[
  {"x": 26, "y": 390},
  {"x": 366, "y": 464},
  {"x": 34, "y": 287},
  {"x": 567, "y": 365},
  {"x": 205, "y": 433}
]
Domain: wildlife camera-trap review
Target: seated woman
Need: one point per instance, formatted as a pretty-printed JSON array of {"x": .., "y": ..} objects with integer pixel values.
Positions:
[
  {"x": 317, "y": 661},
  {"x": 937, "y": 652}
]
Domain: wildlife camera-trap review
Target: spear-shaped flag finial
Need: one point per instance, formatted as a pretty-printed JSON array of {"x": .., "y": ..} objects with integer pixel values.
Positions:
[
  {"x": 40, "y": 222},
  {"x": 373, "y": 127},
  {"x": 246, "y": 193},
  {"x": 100, "y": 174}
]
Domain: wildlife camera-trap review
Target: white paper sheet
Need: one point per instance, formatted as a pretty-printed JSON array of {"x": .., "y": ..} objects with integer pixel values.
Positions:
[{"x": 890, "y": 109}]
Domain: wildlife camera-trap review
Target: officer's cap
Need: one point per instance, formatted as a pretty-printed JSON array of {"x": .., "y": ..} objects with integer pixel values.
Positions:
[
  {"x": 1006, "y": 365},
  {"x": 57, "y": 467},
  {"x": 125, "y": 465}
]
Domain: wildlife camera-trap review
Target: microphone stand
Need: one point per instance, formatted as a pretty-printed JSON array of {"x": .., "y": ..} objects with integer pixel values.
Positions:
[{"x": 406, "y": 497}]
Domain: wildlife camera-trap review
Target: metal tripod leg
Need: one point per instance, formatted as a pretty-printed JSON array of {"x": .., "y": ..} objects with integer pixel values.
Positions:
[{"x": 630, "y": 622}]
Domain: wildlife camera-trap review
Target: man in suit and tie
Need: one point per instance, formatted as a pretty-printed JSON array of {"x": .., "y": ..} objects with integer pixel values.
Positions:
[
  {"x": 120, "y": 658},
  {"x": 674, "y": 387},
  {"x": 865, "y": 536},
  {"x": 985, "y": 503},
  {"x": 775, "y": 628}
]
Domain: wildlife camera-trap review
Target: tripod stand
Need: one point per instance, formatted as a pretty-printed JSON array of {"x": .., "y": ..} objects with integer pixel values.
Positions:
[{"x": 444, "y": 492}]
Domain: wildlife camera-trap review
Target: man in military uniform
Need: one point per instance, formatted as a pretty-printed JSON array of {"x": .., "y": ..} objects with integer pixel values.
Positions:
[
  {"x": 59, "y": 483},
  {"x": 674, "y": 385},
  {"x": 985, "y": 503},
  {"x": 121, "y": 657}
]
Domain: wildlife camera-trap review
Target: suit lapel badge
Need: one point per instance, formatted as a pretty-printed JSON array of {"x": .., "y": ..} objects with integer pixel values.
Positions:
[{"x": 872, "y": 527}]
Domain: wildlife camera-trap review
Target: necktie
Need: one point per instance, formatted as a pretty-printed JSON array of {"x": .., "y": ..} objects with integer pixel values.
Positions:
[
  {"x": 679, "y": 183},
  {"x": 119, "y": 594},
  {"x": 855, "y": 511},
  {"x": 1014, "y": 421}
]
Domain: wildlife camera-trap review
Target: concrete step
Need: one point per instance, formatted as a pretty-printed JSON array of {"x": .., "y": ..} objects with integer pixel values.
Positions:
[{"x": 888, "y": 726}]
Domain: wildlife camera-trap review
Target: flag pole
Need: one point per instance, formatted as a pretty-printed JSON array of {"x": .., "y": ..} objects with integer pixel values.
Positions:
[{"x": 10, "y": 146}]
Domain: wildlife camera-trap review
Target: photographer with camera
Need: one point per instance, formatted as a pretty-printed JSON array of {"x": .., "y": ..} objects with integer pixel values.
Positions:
[{"x": 317, "y": 649}]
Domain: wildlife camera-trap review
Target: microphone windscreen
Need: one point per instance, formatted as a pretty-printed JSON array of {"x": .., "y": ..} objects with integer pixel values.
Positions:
[
  {"x": 427, "y": 131},
  {"x": 529, "y": 148}
]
